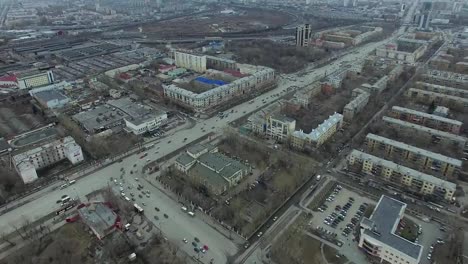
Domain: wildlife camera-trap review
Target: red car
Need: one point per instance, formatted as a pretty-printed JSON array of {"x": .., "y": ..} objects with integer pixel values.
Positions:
[{"x": 205, "y": 247}]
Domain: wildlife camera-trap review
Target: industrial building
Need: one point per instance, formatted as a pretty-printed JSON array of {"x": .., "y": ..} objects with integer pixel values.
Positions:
[
  {"x": 319, "y": 135},
  {"x": 413, "y": 180},
  {"x": 251, "y": 78},
  {"x": 378, "y": 234},
  {"x": 51, "y": 99},
  {"x": 137, "y": 117},
  {"x": 423, "y": 159},
  {"x": 205, "y": 165},
  {"x": 425, "y": 119},
  {"x": 356, "y": 104},
  {"x": 436, "y": 136},
  {"x": 26, "y": 163},
  {"x": 32, "y": 79}
]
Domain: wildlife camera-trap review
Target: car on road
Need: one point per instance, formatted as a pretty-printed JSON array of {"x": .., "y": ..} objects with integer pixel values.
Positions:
[
  {"x": 143, "y": 204},
  {"x": 147, "y": 195},
  {"x": 196, "y": 249},
  {"x": 194, "y": 244},
  {"x": 157, "y": 209},
  {"x": 275, "y": 218},
  {"x": 136, "y": 179},
  {"x": 185, "y": 240},
  {"x": 196, "y": 239},
  {"x": 259, "y": 234}
]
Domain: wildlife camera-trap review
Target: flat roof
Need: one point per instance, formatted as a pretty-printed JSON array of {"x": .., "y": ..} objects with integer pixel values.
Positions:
[
  {"x": 32, "y": 137},
  {"x": 420, "y": 151},
  {"x": 443, "y": 87},
  {"x": 208, "y": 175},
  {"x": 426, "y": 115},
  {"x": 184, "y": 159},
  {"x": 316, "y": 133},
  {"x": 50, "y": 95},
  {"x": 405, "y": 170},
  {"x": 98, "y": 216},
  {"x": 426, "y": 129},
  {"x": 384, "y": 221},
  {"x": 18, "y": 158},
  {"x": 100, "y": 116}
]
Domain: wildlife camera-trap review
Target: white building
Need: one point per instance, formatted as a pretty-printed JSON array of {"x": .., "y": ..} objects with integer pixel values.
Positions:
[
  {"x": 28, "y": 162},
  {"x": 196, "y": 63},
  {"x": 32, "y": 79},
  {"x": 253, "y": 78},
  {"x": 51, "y": 99},
  {"x": 146, "y": 124},
  {"x": 378, "y": 237}
]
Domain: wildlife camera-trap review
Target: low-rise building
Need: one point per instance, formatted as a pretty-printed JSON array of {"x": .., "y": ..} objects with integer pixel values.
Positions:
[
  {"x": 379, "y": 236},
  {"x": 26, "y": 163},
  {"x": 404, "y": 55},
  {"x": 444, "y": 166},
  {"x": 99, "y": 217},
  {"x": 319, "y": 135},
  {"x": 355, "y": 105},
  {"x": 442, "y": 89},
  {"x": 436, "y": 135},
  {"x": 377, "y": 87},
  {"x": 428, "y": 97},
  {"x": 425, "y": 119},
  {"x": 214, "y": 170},
  {"x": 446, "y": 78},
  {"x": 412, "y": 180},
  {"x": 51, "y": 99}
]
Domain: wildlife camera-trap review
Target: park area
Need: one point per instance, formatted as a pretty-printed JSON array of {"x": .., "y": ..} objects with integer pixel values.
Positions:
[{"x": 275, "y": 176}]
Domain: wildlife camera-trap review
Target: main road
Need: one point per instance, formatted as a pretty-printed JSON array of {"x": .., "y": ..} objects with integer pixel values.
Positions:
[{"x": 180, "y": 225}]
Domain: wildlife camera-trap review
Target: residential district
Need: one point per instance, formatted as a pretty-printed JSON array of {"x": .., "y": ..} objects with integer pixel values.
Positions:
[{"x": 242, "y": 131}]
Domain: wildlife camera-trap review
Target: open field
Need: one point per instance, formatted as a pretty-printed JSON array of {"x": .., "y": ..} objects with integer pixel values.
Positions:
[{"x": 244, "y": 20}]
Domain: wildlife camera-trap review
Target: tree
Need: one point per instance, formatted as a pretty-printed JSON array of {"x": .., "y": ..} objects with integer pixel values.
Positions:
[{"x": 431, "y": 108}]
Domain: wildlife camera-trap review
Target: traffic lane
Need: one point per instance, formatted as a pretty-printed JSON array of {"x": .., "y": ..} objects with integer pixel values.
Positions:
[{"x": 180, "y": 225}]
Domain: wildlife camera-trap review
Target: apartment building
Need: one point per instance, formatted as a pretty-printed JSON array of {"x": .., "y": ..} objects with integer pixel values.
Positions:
[
  {"x": 422, "y": 159},
  {"x": 442, "y": 89},
  {"x": 437, "y": 136},
  {"x": 377, "y": 87},
  {"x": 303, "y": 35},
  {"x": 32, "y": 79},
  {"x": 355, "y": 105},
  {"x": 319, "y": 135},
  {"x": 429, "y": 120},
  {"x": 252, "y": 78},
  {"x": 413, "y": 180},
  {"x": 193, "y": 62},
  {"x": 280, "y": 127},
  {"x": 427, "y": 97},
  {"x": 396, "y": 52},
  {"x": 28, "y": 162},
  {"x": 445, "y": 78},
  {"x": 378, "y": 234}
]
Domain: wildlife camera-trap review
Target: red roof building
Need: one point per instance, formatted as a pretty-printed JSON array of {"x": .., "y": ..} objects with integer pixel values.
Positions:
[{"x": 8, "y": 81}]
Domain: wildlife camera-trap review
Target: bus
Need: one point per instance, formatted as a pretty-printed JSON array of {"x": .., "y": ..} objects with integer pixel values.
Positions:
[
  {"x": 65, "y": 199},
  {"x": 138, "y": 209}
]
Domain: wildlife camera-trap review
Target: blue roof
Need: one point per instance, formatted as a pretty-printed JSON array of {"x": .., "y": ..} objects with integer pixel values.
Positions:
[{"x": 210, "y": 81}]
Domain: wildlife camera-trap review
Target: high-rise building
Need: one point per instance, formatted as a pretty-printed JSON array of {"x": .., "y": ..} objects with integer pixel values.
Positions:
[{"x": 303, "y": 35}]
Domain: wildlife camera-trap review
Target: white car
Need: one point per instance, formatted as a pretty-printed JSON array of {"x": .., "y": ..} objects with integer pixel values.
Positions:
[
  {"x": 185, "y": 240},
  {"x": 259, "y": 234}
]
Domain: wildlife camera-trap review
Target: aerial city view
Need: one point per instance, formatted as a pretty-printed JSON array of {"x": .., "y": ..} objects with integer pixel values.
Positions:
[{"x": 233, "y": 131}]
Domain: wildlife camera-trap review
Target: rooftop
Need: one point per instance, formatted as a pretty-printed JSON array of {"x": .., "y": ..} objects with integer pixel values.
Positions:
[
  {"x": 99, "y": 217},
  {"x": 50, "y": 95},
  {"x": 321, "y": 129},
  {"x": 431, "y": 131},
  {"x": 426, "y": 115},
  {"x": 419, "y": 151},
  {"x": 208, "y": 175},
  {"x": 405, "y": 170},
  {"x": 384, "y": 221},
  {"x": 184, "y": 159}
]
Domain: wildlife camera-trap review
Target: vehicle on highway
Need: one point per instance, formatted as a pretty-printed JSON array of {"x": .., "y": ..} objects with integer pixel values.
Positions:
[
  {"x": 192, "y": 214},
  {"x": 184, "y": 208},
  {"x": 63, "y": 186},
  {"x": 157, "y": 209},
  {"x": 71, "y": 182}
]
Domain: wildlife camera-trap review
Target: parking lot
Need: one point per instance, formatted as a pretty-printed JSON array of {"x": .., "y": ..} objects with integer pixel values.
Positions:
[{"x": 339, "y": 216}]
